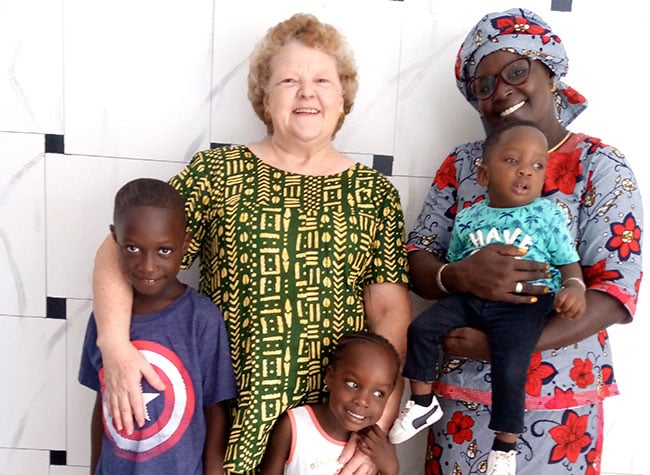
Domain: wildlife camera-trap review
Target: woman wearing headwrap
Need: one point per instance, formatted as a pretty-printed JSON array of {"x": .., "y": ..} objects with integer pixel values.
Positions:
[{"x": 509, "y": 68}]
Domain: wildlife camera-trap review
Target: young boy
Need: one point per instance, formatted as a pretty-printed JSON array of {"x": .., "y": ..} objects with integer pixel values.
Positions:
[
  {"x": 181, "y": 333},
  {"x": 513, "y": 168}
]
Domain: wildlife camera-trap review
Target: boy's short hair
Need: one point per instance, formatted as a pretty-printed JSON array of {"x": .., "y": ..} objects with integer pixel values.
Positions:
[
  {"x": 151, "y": 192},
  {"x": 493, "y": 137}
]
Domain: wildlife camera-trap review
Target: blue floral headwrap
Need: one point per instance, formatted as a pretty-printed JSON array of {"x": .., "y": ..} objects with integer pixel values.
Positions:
[{"x": 522, "y": 32}]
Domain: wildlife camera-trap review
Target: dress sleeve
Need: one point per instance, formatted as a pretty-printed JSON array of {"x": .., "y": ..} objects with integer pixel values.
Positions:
[
  {"x": 432, "y": 230},
  {"x": 194, "y": 183},
  {"x": 610, "y": 225},
  {"x": 389, "y": 250}
]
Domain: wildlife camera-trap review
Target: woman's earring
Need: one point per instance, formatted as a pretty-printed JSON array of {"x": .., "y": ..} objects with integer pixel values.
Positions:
[
  {"x": 558, "y": 103},
  {"x": 326, "y": 388}
]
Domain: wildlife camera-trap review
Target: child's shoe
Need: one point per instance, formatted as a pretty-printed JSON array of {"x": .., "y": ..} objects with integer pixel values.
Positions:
[
  {"x": 502, "y": 463},
  {"x": 413, "y": 419}
]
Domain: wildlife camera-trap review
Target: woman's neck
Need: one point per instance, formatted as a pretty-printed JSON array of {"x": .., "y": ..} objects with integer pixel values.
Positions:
[
  {"x": 309, "y": 159},
  {"x": 557, "y": 137}
]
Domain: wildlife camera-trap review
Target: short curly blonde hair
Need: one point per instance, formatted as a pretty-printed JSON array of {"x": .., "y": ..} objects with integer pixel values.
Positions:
[{"x": 308, "y": 30}]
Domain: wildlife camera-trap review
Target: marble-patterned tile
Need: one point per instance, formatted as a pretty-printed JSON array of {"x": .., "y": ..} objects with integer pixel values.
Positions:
[
  {"x": 137, "y": 78},
  {"x": 31, "y": 66},
  {"x": 80, "y": 193},
  {"x": 22, "y": 224},
  {"x": 79, "y": 399},
  {"x": 370, "y": 126},
  {"x": 68, "y": 470},
  {"x": 20, "y": 461},
  {"x": 33, "y": 409},
  {"x": 412, "y": 191}
]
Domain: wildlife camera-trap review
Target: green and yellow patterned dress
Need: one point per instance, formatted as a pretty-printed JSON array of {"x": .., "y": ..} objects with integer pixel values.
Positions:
[{"x": 286, "y": 258}]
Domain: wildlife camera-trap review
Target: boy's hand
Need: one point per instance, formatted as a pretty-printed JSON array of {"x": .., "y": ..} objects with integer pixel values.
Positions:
[
  {"x": 373, "y": 442},
  {"x": 124, "y": 368},
  {"x": 570, "y": 301}
]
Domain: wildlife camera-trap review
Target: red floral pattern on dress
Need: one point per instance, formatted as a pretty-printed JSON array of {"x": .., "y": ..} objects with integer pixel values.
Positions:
[
  {"x": 602, "y": 338},
  {"x": 571, "y": 438},
  {"x": 593, "y": 463},
  {"x": 582, "y": 372},
  {"x": 625, "y": 238},
  {"x": 597, "y": 273},
  {"x": 538, "y": 374},
  {"x": 607, "y": 374},
  {"x": 446, "y": 174},
  {"x": 562, "y": 172},
  {"x": 562, "y": 399},
  {"x": 596, "y": 143},
  {"x": 433, "y": 457},
  {"x": 460, "y": 428}
]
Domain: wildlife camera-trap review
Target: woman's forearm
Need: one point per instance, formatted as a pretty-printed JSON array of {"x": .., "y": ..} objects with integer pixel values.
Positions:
[
  {"x": 603, "y": 310},
  {"x": 113, "y": 297},
  {"x": 423, "y": 268}
]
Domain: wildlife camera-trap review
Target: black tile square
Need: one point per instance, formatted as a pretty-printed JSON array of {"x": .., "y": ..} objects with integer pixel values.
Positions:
[
  {"x": 561, "y": 5},
  {"x": 58, "y": 457},
  {"x": 54, "y": 143},
  {"x": 56, "y": 308},
  {"x": 383, "y": 163}
]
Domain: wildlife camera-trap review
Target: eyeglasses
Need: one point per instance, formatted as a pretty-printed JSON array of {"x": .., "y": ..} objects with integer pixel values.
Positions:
[{"x": 514, "y": 73}]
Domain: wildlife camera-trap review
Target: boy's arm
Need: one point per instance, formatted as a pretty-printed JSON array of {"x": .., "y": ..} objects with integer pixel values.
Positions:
[
  {"x": 217, "y": 428},
  {"x": 277, "y": 448},
  {"x": 570, "y": 300},
  {"x": 96, "y": 434}
]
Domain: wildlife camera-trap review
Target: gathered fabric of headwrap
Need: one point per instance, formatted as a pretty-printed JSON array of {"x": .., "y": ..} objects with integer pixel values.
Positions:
[{"x": 522, "y": 32}]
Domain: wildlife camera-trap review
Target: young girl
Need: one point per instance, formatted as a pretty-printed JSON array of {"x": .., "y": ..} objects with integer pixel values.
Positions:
[{"x": 361, "y": 376}]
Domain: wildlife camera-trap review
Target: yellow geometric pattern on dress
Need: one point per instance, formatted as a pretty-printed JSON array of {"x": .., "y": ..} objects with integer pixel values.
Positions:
[{"x": 284, "y": 314}]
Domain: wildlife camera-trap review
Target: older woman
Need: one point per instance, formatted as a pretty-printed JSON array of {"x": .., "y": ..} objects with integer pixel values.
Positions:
[
  {"x": 509, "y": 67},
  {"x": 298, "y": 243}
]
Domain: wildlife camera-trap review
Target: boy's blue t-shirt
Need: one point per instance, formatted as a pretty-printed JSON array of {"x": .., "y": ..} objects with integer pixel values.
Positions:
[
  {"x": 187, "y": 344},
  {"x": 541, "y": 227}
]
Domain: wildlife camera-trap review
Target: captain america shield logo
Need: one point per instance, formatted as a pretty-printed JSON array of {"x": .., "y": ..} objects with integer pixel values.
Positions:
[{"x": 168, "y": 413}]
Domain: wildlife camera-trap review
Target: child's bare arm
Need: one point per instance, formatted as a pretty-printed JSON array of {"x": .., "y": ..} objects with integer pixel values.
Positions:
[
  {"x": 217, "y": 428},
  {"x": 570, "y": 300},
  {"x": 96, "y": 433},
  {"x": 374, "y": 443},
  {"x": 277, "y": 448}
]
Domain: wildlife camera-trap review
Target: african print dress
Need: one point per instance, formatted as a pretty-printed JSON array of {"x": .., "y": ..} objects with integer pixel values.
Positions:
[
  {"x": 595, "y": 186},
  {"x": 286, "y": 257}
]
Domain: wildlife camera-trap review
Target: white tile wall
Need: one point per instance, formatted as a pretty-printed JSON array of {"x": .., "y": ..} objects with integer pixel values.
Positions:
[{"x": 135, "y": 88}]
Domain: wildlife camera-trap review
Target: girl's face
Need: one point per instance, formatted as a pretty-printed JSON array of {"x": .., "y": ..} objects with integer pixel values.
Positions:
[
  {"x": 360, "y": 384},
  {"x": 531, "y": 100}
]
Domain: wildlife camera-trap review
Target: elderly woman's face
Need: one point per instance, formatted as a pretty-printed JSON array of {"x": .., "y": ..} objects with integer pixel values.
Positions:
[
  {"x": 531, "y": 100},
  {"x": 304, "y": 96}
]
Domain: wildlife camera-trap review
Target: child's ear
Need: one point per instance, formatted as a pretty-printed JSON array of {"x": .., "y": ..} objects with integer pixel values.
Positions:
[
  {"x": 112, "y": 228},
  {"x": 482, "y": 175},
  {"x": 186, "y": 241},
  {"x": 329, "y": 372}
]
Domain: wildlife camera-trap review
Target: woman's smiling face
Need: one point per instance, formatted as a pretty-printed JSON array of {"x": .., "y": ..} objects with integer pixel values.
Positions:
[
  {"x": 532, "y": 100},
  {"x": 304, "y": 96}
]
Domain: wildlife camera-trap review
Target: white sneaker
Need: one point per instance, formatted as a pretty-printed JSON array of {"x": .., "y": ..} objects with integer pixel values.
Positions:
[
  {"x": 502, "y": 463},
  {"x": 412, "y": 419}
]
